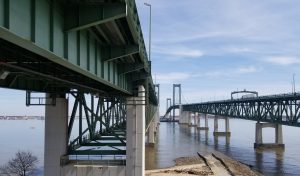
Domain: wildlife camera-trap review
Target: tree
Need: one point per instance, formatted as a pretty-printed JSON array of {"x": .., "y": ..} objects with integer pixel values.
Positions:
[{"x": 23, "y": 164}]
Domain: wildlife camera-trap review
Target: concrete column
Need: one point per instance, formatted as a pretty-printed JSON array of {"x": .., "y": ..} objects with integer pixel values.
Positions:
[
  {"x": 199, "y": 124},
  {"x": 198, "y": 120},
  {"x": 206, "y": 121},
  {"x": 190, "y": 118},
  {"x": 151, "y": 134},
  {"x": 56, "y": 130},
  {"x": 258, "y": 134},
  {"x": 216, "y": 130},
  {"x": 227, "y": 124},
  {"x": 180, "y": 113},
  {"x": 192, "y": 123},
  {"x": 135, "y": 136},
  {"x": 216, "y": 127},
  {"x": 157, "y": 120},
  {"x": 278, "y": 135}
]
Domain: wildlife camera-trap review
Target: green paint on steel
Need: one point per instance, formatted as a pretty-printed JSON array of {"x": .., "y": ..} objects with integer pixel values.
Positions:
[
  {"x": 91, "y": 15},
  {"x": 39, "y": 26},
  {"x": 111, "y": 53},
  {"x": 104, "y": 144},
  {"x": 97, "y": 152}
]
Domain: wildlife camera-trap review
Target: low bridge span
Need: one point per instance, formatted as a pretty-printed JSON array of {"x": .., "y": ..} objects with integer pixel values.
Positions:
[
  {"x": 274, "y": 111},
  {"x": 282, "y": 109}
]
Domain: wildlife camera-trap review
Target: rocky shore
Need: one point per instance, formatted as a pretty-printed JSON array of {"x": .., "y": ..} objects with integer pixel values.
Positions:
[{"x": 213, "y": 164}]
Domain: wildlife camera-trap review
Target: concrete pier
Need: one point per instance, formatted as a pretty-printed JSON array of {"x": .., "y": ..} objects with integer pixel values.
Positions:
[
  {"x": 56, "y": 127},
  {"x": 278, "y": 135},
  {"x": 205, "y": 127},
  {"x": 151, "y": 134},
  {"x": 135, "y": 136},
  {"x": 192, "y": 123},
  {"x": 216, "y": 126}
]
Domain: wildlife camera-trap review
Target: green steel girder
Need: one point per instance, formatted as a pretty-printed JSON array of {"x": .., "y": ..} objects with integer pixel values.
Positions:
[
  {"x": 111, "y": 53},
  {"x": 98, "y": 152},
  {"x": 103, "y": 144},
  {"x": 282, "y": 109},
  {"x": 129, "y": 68},
  {"x": 109, "y": 138},
  {"x": 84, "y": 16}
]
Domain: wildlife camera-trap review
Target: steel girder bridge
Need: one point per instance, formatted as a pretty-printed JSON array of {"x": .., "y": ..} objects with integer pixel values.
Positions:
[
  {"x": 86, "y": 49},
  {"x": 280, "y": 109}
]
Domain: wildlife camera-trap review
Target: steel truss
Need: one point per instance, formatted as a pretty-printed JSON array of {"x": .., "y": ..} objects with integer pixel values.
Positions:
[
  {"x": 282, "y": 109},
  {"x": 106, "y": 138}
]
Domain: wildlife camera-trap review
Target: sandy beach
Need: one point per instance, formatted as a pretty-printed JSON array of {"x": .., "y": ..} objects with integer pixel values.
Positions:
[{"x": 213, "y": 164}]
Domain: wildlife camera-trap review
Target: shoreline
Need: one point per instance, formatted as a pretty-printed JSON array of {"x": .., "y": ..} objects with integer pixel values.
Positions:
[{"x": 213, "y": 164}]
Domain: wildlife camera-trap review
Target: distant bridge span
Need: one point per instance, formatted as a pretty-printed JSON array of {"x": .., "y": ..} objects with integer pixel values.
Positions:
[{"x": 280, "y": 109}]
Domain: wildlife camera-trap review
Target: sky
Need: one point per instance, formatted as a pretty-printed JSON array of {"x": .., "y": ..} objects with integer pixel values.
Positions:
[
  {"x": 214, "y": 47},
  {"x": 211, "y": 48}
]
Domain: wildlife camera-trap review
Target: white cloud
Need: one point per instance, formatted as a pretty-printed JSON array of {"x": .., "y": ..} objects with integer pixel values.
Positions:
[
  {"x": 248, "y": 69},
  {"x": 282, "y": 60},
  {"x": 231, "y": 72},
  {"x": 178, "y": 51},
  {"x": 169, "y": 78}
]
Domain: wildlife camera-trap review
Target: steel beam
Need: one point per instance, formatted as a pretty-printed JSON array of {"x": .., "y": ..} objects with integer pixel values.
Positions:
[
  {"x": 98, "y": 152},
  {"x": 111, "y": 53},
  {"x": 129, "y": 68},
  {"x": 85, "y": 16}
]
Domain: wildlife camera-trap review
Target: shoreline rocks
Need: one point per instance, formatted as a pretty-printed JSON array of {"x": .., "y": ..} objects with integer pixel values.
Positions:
[{"x": 213, "y": 164}]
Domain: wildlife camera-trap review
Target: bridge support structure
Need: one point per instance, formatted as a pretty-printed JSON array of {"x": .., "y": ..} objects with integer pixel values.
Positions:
[
  {"x": 184, "y": 117},
  {"x": 216, "y": 126},
  {"x": 135, "y": 146},
  {"x": 192, "y": 123},
  {"x": 278, "y": 135},
  {"x": 205, "y": 127},
  {"x": 152, "y": 129},
  {"x": 56, "y": 127}
]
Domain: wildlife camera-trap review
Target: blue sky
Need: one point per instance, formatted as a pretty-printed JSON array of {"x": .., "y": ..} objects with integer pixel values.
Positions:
[{"x": 213, "y": 47}]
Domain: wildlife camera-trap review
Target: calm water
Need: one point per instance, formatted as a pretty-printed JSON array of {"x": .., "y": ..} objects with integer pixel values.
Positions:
[{"x": 177, "y": 141}]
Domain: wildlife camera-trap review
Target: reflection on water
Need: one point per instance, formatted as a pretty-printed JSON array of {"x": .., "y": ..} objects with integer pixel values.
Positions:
[{"x": 175, "y": 141}]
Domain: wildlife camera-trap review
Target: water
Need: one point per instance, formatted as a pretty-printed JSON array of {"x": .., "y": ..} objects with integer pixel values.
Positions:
[
  {"x": 22, "y": 135},
  {"x": 175, "y": 141},
  {"x": 178, "y": 141}
]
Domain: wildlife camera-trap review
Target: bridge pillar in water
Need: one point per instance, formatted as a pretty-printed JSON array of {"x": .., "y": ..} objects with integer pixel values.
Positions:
[
  {"x": 152, "y": 129},
  {"x": 216, "y": 126},
  {"x": 181, "y": 115},
  {"x": 135, "y": 134},
  {"x": 56, "y": 129},
  {"x": 191, "y": 116},
  {"x": 185, "y": 117},
  {"x": 259, "y": 139},
  {"x": 198, "y": 119},
  {"x": 206, "y": 123},
  {"x": 192, "y": 123}
]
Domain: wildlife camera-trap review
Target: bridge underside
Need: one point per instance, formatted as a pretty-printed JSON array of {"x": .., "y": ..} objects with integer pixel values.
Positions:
[{"x": 92, "y": 51}]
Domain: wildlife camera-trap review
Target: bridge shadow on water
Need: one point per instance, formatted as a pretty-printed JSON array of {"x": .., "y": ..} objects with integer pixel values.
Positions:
[{"x": 176, "y": 140}]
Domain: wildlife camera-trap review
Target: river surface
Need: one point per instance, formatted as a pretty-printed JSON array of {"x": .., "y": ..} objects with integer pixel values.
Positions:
[{"x": 175, "y": 141}]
